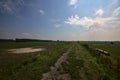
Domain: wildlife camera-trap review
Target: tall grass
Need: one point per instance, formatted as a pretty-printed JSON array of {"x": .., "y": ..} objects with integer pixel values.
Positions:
[
  {"x": 110, "y": 63},
  {"x": 82, "y": 65}
]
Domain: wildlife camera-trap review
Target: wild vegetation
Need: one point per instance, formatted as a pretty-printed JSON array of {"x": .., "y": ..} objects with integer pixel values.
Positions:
[
  {"x": 81, "y": 63},
  {"x": 29, "y": 66},
  {"x": 111, "y": 62}
]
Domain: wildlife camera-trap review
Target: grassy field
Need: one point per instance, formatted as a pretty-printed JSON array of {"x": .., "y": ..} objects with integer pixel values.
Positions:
[
  {"x": 111, "y": 63},
  {"x": 81, "y": 64},
  {"x": 114, "y": 48},
  {"x": 29, "y": 66}
]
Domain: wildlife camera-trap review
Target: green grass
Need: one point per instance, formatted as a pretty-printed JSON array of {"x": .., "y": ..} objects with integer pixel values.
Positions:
[
  {"x": 110, "y": 63},
  {"x": 81, "y": 64},
  {"x": 114, "y": 49},
  {"x": 10, "y": 45},
  {"x": 30, "y": 67},
  {"x": 73, "y": 66},
  {"x": 92, "y": 69}
]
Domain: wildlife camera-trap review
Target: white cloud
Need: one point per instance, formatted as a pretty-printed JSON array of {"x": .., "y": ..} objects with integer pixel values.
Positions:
[
  {"x": 98, "y": 28},
  {"x": 76, "y": 20},
  {"x": 73, "y": 2},
  {"x": 86, "y": 22},
  {"x": 11, "y": 6},
  {"x": 26, "y": 34},
  {"x": 99, "y": 12},
  {"x": 97, "y": 23},
  {"x": 116, "y": 12},
  {"x": 57, "y": 25},
  {"x": 102, "y": 35},
  {"x": 42, "y": 12}
]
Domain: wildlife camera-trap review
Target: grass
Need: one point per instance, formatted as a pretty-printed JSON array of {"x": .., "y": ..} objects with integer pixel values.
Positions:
[
  {"x": 114, "y": 49},
  {"x": 92, "y": 69},
  {"x": 81, "y": 64},
  {"x": 30, "y": 67},
  {"x": 110, "y": 63},
  {"x": 73, "y": 66}
]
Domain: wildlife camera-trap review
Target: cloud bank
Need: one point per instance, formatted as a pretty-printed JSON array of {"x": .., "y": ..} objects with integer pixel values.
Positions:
[
  {"x": 98, "y": 27},
  {"x": 97, "y": 23}
]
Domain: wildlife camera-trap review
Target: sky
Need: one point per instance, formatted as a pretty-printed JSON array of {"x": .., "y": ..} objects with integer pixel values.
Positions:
[{"x": 86, "y": 20}]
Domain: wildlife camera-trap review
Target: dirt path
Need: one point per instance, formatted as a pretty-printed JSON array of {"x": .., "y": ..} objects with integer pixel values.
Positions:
[{"x": 54, "y": 73}]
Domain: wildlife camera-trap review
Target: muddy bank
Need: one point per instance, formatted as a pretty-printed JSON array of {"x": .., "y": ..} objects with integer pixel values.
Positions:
[{"x": 25, "y": 50}]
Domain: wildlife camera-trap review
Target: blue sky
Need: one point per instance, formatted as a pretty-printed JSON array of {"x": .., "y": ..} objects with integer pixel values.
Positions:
[{"x": 60, "y": 19}]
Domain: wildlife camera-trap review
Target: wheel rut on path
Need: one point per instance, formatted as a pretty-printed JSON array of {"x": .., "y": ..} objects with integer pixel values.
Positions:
[{"x": 54, "y": 73}]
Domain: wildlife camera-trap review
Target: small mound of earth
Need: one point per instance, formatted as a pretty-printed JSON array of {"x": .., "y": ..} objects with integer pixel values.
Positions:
[{"x": 25, "y": 50}]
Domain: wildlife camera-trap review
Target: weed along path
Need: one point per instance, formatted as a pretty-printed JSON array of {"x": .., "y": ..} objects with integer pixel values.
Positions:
[{"x": 53, "y": 74}]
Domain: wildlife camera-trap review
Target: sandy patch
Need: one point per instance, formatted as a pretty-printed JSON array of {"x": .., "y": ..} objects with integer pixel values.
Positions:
[{"x": 25, "y": 50}]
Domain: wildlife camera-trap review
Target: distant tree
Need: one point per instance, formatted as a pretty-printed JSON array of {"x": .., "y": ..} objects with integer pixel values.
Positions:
[
  {"x": 58, "y": 41},
  {"x": 111, "y": 42}
]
